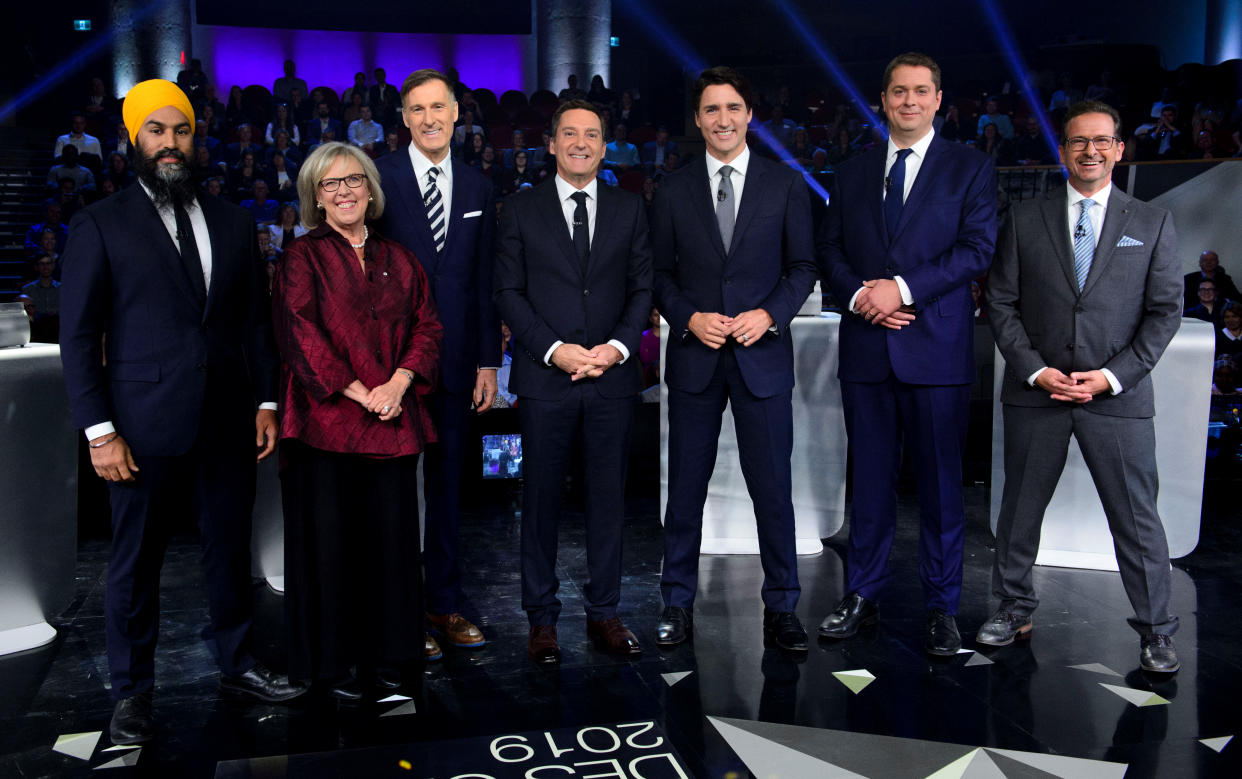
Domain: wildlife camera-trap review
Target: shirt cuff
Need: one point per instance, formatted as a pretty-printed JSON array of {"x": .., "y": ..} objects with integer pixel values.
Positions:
[
  {"x": 103, "y": 428},
  {"x": 854, "y": 299},
  {"x": 488, "y": 368},
  {"x": 547, "y": 358},
  {"x": 1112, "y": 380},
  {"x": 625, "y": 353},
  {"x": 1031, "y": 379},
  {"x": 906, "y": 297},
  {"x": 269, "y": 406}
]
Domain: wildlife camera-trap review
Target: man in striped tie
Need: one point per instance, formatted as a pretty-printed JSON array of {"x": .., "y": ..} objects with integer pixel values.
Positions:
[
  {"x": 1085, "y": 294},
  {"x": 442, "y": 210}
]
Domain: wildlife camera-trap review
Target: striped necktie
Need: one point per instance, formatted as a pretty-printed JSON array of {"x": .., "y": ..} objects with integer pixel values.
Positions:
[
  {"x": 435, "y": 209},
  {"x": 1084, "y": 243}
]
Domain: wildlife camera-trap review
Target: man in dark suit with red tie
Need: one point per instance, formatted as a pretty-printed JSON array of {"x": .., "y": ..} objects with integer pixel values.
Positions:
[
  {"x": 573, "y": 282},
  {"x": 442, "y": 210},
  {"x": 734, "y": 258},
  {"x": 171, "y": 371},
  {"x": 910, "y": 224}
]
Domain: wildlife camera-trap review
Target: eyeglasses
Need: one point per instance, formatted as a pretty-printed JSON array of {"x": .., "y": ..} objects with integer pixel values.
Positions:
[
  {"x": 1100, "y": 142},
  {"x": 353, "y": 181}
]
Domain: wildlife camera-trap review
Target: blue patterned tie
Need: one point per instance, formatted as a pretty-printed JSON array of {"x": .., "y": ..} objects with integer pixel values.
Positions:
[
  {"x": 895, "y": 192},
  {"x": 1084, "y": 243}
]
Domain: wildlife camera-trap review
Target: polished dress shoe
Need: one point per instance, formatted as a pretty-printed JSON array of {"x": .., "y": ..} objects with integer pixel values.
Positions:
[
  {"x": 262, "y": 684},
  {"x": 851, "y": 613},
  {"x": 1157, "y": 654},
  {"x": 785, "y": 629},
  {"x": 541, "y": 646},
  {"x": 675, "y": 626},
  {"x": 942, "y": 639},
  {"x": 431, "y": 650},
  {"x": 388, "y": 679},
  {"x": 131, "y": 720},
  {"x": 1003, "y": 627},
  {"x": 458, "y": 630},
  {"x": 347, "y": 689},
  {"x": 613, "y": 637}
]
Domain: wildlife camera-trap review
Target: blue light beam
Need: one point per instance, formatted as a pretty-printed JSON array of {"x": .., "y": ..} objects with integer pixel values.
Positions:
[{"x": 1019, "y": 71}]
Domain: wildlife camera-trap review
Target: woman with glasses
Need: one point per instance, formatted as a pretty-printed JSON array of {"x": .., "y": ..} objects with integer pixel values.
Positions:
[{"x": 359, "y": 342}]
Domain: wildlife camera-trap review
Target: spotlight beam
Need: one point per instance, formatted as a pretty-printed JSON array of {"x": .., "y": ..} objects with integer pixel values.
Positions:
[{"x": 1018, "y": 70}]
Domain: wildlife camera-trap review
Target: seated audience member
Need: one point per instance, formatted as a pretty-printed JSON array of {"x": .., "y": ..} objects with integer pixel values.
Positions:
[
  {"x": 322, "y": 122},
  {"x": 193, "y": 81},
  {"x": 98, "y": 102},
  {"x": 243, "y": 175},
  {"x": 779, "y": 128},
  {"x": 1209, "y": 306},
  {"x": 268, "y": 251},
  {"x": 521, "y": 173},
  {"x": 69, "y": 198},
  {"x": 600, "y": 94},
  {"x": 992, "y": 144},
  {"x": 950, "y": 129},
  {"x": 329, "y": 136},
  {"x": 542, "y": 159},
  {"x": 353, "y": 109},
  {"x": 202, "y": 167},
  {"x": 819, "y": 162},
  {"x": 1161, "y": 138},
  {"x": 69, "y": 168},
  {"x": 1225, "y": 378},
  {"x": 993, "y": 115},
  {"x": 629, "y": 112},
  {"x": 801, "y": 148},
  {"x": 1207, "y": 146},
  {"x": 648, "y": 194},
  {"x": 518, "y": 142},
  {"x": 118, "y": 170},
  {"x": 474, "y": 151},
  {"x": 467, "y": 102},
  {"x": 212, "y": 118},
  {"x": 1103, "y": 90},
  {"x": 301, "y": 107},
  {"x": 119, "y": 142},
  {"x": 283, "y": 121},
  {"x": 841, "y": 149},
  {"x": 51, "y": 221},
  {"x": 1066, "y": 96},
  {"x": 649, "y": 350},
  {"x": 44, "y": 296},
  {"x": 234, "y": 110},
  {"x": 245, "y": 143},
  {"x": 572, "y": 91},
  {"x": 260, "y": 206},
  {"x": 283, "y": 86},
  {"x": 214, "y": 186},
  {"x": 210, "y": 101},
  {"x": 105, "y": 187},
  {"x": 392, "y": 144},
  {"x": 288, "y": 225},
  {"x": 47, "y": 248},
  {"x": 284, "y": 177},
  {"x": 359, "y": 88},
  {"x": 1210, "y": 269},
  {"x": 366, "y": 133},
  {"x": 1229, "y": 335},
  {"x": 285, "y": 146},
  {"x": 466, "y": 130},
  {"x": 620, "y": 154},
  {"x": 489, "y": 168},
  {"x": 384, "y": 101},
  {"x": 1030, "y": 147},
  {"x": 671, "y": 161},
  {"x": 203, "y": 139},
  {"x": 78, "y": 137},
  {"x": 655, "y": 151}
]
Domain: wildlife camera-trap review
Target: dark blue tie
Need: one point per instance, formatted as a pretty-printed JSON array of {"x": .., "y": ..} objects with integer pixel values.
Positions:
[{"x": 895, "y": 192}]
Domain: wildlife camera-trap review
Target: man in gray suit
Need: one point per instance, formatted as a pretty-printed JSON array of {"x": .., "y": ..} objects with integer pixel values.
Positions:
[{"x": 1085, "y": 293}]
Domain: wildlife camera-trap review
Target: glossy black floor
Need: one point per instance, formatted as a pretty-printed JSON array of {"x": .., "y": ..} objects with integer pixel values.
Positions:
[{"x": 1027, "y": 699}]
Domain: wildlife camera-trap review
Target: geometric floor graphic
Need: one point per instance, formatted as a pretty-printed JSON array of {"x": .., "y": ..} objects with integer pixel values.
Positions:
[
  {"x": 1096, "y": 668},
  {"x": 786, "y": 751},
  {"x": 79, "y": 745},
  {"x": 855, "y": 680},
  {"x": 1216, "y": 744},
  {"x": 1136, "y": 697}
]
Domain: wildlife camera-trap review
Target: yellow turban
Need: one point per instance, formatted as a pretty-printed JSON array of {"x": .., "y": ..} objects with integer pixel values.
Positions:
[{"x": 150, "y": 96}]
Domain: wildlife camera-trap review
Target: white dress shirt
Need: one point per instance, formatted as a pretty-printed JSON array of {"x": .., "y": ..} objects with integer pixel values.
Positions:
[
  {"x": 565, "y": 192},
  {"x": 914, "y": 163},
  {"x": 1096, "y": 215},
  {"x": 444, "y": 179},
  {"x": 738, "y": 178}
]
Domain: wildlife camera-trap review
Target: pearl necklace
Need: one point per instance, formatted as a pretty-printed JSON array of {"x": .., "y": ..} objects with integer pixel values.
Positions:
[{"x": 365, "y": 235}]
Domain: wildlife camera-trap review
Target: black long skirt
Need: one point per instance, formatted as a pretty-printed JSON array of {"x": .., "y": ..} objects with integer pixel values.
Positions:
[{"x": 352, "y": 567}]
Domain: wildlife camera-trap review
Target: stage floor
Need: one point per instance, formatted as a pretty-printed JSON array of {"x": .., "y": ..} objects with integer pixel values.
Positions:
[{"x": 725, "y": 704}]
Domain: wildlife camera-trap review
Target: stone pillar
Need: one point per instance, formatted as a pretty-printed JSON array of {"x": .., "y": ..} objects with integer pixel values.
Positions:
[
  {"x": 1224, "y": 31},
  {"x": 148, "y": 39},
  {"x": 573, "y": 38}
]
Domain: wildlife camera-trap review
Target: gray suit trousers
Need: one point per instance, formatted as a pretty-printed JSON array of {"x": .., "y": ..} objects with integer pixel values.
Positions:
[{"x": 1120, "y": 452}]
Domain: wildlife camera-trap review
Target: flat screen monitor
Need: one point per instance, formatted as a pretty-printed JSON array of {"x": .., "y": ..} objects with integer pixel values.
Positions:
[{"x": 502, "y": 456}]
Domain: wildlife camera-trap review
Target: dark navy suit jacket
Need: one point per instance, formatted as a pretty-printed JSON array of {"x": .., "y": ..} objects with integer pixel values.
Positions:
[
  {"x": 770, "y": 265},
  {"x": 544, "y": 296},
  {"x": 944, "y": 239},
  {"x": 461, "y": 277},
  {"x": 173, "y": 365}
]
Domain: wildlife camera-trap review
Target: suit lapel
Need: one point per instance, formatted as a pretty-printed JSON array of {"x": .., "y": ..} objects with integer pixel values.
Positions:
[
  {"x": 1056, "y": 221},
  {"x": 549, "y": 206},
  {"x": 220, "y": 255},
  {"x": 412, "y": 194},
  {"x": 169, "y": 259},
  {"x": 461, "y": 185},
  {"x": 873, "y": 189},
  {"x": 922, "y": 183},
  {"x": 605, "y": 221},
  {"x": 704, "y": 204},
  {"x": 752, "y": 194},
  {"x": 1115, "y": 220}
]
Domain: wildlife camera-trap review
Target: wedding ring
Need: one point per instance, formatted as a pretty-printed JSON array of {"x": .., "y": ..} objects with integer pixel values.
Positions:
[
  {"x": 386, "y": 409},
  {"x": 745, "y": 337}
]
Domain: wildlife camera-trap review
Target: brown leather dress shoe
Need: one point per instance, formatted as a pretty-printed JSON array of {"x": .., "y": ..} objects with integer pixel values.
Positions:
[
  {"x": 542, "y": 647},
  {"x": 613, "y": 637},
  {"x": 431, "y": 650},
  {"x": 458, "y": 630}
]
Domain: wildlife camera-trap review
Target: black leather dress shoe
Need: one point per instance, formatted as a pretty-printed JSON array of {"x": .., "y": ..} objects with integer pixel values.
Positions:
[
  {"x": 675, "y": 626},
  {"x": 1003, "y": 627},
  {"x": 785, "y": 628},
  {"x": 131, "y": 720},
  {"x": 1156, "y": 653},
  {"x": 851, "y": 613},
  {"x": 348, "y": 690},
  {"x": 942, "y": 639},
  {"x": 262, "y": 684},
  {"x": 388, "y": 679}
]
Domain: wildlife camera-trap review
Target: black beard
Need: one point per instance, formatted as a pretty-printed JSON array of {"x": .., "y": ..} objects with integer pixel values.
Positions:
[{"x": 170, "y": 184}]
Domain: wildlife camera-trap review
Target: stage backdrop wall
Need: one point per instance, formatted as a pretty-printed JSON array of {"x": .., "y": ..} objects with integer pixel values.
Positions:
[{"x": 255, "y": 55}]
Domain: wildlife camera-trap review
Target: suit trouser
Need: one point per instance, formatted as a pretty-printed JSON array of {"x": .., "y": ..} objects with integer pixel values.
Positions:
[
  {"x": 930, "y": 420},
  {"x": 442, "y": 464},
  {"x": 215, "y": 483},
  {"x": 1120, "y": 453},
  {"x": 765, "y": 446},
  {"x": 549, "y": 431}
]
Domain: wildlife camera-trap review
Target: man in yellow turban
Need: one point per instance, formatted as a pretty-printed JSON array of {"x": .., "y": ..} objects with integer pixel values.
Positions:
[{"x": 177, "y": 401}]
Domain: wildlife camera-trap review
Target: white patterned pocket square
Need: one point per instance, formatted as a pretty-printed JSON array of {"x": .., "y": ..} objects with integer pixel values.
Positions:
[{"x": 1128, "y": 241}]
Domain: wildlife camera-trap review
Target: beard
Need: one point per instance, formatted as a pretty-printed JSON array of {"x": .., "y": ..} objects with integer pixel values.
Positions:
[{"x": 170, "y": 183}]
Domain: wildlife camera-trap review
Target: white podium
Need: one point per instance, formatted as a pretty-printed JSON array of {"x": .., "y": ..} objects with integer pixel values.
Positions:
[{"x": 1075, "y": 532}]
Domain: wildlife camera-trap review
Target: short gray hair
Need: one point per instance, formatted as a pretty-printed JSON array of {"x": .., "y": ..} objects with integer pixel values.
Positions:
[{"x": 317, "y": 164}]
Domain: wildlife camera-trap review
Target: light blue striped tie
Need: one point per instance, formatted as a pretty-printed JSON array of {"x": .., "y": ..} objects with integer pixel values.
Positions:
[{"x": 1084, "y": 243}]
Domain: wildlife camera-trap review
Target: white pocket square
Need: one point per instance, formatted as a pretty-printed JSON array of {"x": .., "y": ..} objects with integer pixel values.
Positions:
[
  {"x": 480, "y": 213},
  {"x": 1128, "y": 241}
]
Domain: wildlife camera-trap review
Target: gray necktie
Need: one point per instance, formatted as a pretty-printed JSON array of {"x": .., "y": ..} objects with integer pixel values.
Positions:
[{"x": 724, "y": 206}]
